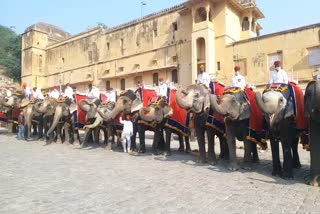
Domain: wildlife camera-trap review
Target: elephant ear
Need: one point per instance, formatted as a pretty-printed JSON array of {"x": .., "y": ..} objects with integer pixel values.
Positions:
[
  {"x": 289, "y": 110},
  {"x": 244, "y": 111},
  {"x": 206, "y": 102},
  {"x": 136, "y": 103}
]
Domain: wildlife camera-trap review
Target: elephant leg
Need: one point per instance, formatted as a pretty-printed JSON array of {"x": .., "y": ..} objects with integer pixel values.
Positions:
[
  {"x": 168, "y": 141},
  {"x": 224, "y": 149},
  {"x": 35, "y": 130},
  {"x": 142, "y": 147},
  {"x": 87, "y": 135},
  {"x": 314, "y": 153},
  {"x": 200, "y": 130},
  {"x": 76, "y": 137},
  {"x": 247, "y": 155},
  {"x": 161, "y": 141},
  {"x": 156, "y": 141},
  {"x": 40, "y": 129},
  {"x": 231, "y": 141},
  {"x": 187, "y": 140},
  {"x": 295, "y": 154},
  {"x": 212, "y": 160},
  {"x": 276, "y": 171},
  {"x": 134, "y": 137},
  {"x": 96, "y": 133},
  {"x": 286, "y": 141},
  {"x": 109, "y": 136},
  {"x": 255, "y": 155},
  {"x": 181, "y": 143},
  {"x": 59, "y": 133},
  {"x": 67, "y": 132}
]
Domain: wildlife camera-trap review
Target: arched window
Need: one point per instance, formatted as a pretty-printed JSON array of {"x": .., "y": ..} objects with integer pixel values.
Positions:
[
  {"x": 245, "y": 24},
  {"x": 123, "y": 84},
  {"x": 253, "y": 25},
  {"x": 107, "y": 85},
  {"x": 155, "y": 78},
  {"x": 201, "y": 15},
  {"x": 174, "y": 76}
]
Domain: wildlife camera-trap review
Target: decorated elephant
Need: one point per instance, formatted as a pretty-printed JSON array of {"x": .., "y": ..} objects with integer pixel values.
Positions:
[
  {"x": 97, "y": 122},
  {"x": 312, "y": 111},
  {"x": 238, "y": 108},
  {"x": 195, "y": 99},
  {"x": 63, "y": 117},
  {"x": 281, "y": 105}
]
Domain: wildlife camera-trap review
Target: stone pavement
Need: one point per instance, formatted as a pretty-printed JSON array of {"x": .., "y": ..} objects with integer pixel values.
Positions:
[{"x": 35, "y": 178}]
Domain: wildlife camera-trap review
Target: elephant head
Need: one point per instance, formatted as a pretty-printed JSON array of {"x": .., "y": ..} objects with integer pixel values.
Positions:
[
  {"x": 127, "y": 103},
  {"x": 105, "y": 109},
  {"x": 61, "y": 111},
  {"x": 231, "y": 106},
  {"x": 312, "y": 101},
  {"x": 89, "y": 107},
  {"x": 12, "y": 102},
  {"x": 276, "y": 105},
  {"x": 156, "y": 113},
  {"x": 46, "y": 106},
  {"x": 194, "y": 98}
]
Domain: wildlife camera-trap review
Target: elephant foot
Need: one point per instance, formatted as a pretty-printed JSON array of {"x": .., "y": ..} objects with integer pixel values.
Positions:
[
  {"x": 201, "y": 161},
  {"x": 247, "y": 166},
  {"x": 84, "y": 145},
  {"x": 59, "y": 141},
  {"x": 76, "y": 143},
  {"x": 142, "y": 150},
  {"x": 287, "y": 176},
  {"x": 233, "y": 167},
  {"x": 167, "y": 153},
  {"x": 188, "y": 150},
  {"x": 67, "y": 142},
  {"x": 255, "y": 160},
  {"x": 155, "y": 152},
  {"x": 297, "y": 165},
  {"x": 108, "y": 146},
  {"x": 213, "y": 162},
  {"x": 314, "y": 181},
  {"x": 277, "y": 172},
  {"x": 181, "y": 149}
]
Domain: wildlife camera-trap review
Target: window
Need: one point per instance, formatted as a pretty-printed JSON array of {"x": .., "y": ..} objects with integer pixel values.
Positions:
[
  {"x": 40, "y": 63},
  {"x": 155, "y": 78},
  {"x": 155, "y": 32},
  {"x": 175, "y": 26},
  {"x": 218, "y": 66},
  {"x": 138, "y": 80},
  {"x": 243, "y": 65},
  {"x": 108, "y": 45},
  {"x": 120, "y": 69},
  {"x": 121, "y": 46},
  {"x": 253, "y": 25},
  {"x": 174, "y": 76},
  {"x": 201, "y": 15},
  {"x": 90, "y": 56},
  {"x": 106, "y": 72},
  {"x": 174, "y": 59},
  {"x": 62, "y": 60},
  {"x": 245, "y": 24},
  {"x": 314, "y": 56},
  {"x": 274, "y": 57},
  {"x": 107, "y": 85},
  {"x": 123, "y": 84}
]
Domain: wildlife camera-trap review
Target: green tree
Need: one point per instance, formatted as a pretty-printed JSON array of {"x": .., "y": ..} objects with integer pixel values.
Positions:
[{"x": 10, "y": 52}]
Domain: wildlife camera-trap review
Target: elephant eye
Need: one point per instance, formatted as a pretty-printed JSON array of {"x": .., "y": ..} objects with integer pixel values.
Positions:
[{"x": 281, "y": 100}]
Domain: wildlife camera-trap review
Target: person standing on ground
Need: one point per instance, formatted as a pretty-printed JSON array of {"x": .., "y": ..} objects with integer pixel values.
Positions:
[
  {"x": 126, "y": 133},
  {"x": 21, "y": 129}
]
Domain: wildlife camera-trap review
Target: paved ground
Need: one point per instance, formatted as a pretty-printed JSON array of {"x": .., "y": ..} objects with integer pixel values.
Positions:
[{"x": 35, "y": 178}]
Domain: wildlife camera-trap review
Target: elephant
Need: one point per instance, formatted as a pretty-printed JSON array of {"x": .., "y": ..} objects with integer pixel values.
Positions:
[
  {"x": 97, "y": 122},
  {"x": 62, "y": 117},
  {"x": 195, "y": 99},
  {"x": 128, "y": 102},
  {"x": 157, "y": 115},
  {"x": 234, "y": 107},
  {"x": 312, "y": 111},
  {"x": 277, "y": 106}
]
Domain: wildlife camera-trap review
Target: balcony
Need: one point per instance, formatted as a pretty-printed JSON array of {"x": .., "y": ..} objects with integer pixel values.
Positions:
[{"x": 247, "y": 3}]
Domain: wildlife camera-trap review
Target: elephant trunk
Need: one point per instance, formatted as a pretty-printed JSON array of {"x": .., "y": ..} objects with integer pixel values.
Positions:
[
  {"x": 96, "y": 123},
  {"x": 147, "y": 114},
  {"x": 110, "y": 116},
  {"x": 260, "y": 103},
  {"x": 56, "y": 118},
  {"x": 216, "y": 107},
  {"x": 182, "y": 101},
  {"x": 84, "y": 105}
]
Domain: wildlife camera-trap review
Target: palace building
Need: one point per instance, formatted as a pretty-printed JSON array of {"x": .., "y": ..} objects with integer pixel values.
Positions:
[{"x": 171, "y": 43}]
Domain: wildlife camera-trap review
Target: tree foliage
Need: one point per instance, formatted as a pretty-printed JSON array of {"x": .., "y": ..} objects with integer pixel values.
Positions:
[{"x": 10, "y": 52}]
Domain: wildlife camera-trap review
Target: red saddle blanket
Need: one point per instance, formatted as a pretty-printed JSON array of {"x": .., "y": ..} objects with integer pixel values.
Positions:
[
  {"x": 214, "y": 119},
  {"x": 298, "y": 102}
]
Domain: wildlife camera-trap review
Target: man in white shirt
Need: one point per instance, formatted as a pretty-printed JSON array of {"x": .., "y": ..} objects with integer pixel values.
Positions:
[
  {"x": 94, "y": 92},
  {"x": 238, "y": 80},
  {"x": 26, "y": 90},
  {"x": 278, "y": 75},
  {"x": 127, "y": 132},
  {"x": 203, "y": 77},
  {"x": 162, "y": 88},
  {"x": 55, "y": 93},
  {"x": 68, "y": 92},
  {"x": 111, "y": 95},
  {"x": 33, "y": 92},
  {"x": 39, "y": 94}
]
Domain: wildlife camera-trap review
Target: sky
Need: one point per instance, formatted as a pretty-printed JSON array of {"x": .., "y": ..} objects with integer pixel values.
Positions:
[{"x": 75, "y": 16}]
